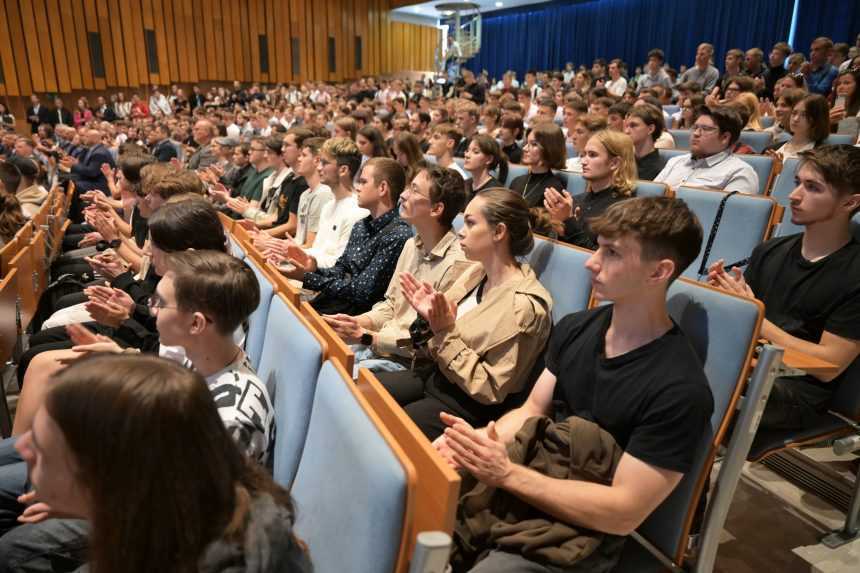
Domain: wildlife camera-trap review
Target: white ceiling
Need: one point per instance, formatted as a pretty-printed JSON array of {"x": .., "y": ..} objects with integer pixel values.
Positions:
[{"x": 428, "y": 9}]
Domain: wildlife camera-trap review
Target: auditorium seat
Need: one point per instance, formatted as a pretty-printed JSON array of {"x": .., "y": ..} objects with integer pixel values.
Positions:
[
  {"x": 758, "y": 140},
  {"x": 723, "y": 330},
  {"x": 460, "y": 161},
  {"x": 667, "y": 154},
  {"x": 571, "y": 152},
  {"x": 431, "y": 159},
  {"x": 561, "y": 270},
  {"x": 746, "y": 221},
  {"x": 235, "y": 248},
  {"x": 839, "y": 139},
  {"x": 257, "y": 320},
  {"x": 354, "y": 486},
  {"x": 514, "y": 171},
  {"x": 681, "y": 137},
  {"x": 651, "y": 189},
  {"x": 782, "y": 188},
  {"x": 8, "y": 338},
  {"x": 458, "y": 222},
  {"x": 291, "y": 380},
  {"x": 575, "y": 183},
  {"x": 766, "y": 121},
  {"x": 671, "y": 109}
]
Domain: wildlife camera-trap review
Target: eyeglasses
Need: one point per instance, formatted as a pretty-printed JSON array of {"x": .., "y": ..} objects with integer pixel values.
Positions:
[
  {"x": 156, "y": 303},
  {"x": 704, "y": 128},
  {"x": 534, "y": 144}
]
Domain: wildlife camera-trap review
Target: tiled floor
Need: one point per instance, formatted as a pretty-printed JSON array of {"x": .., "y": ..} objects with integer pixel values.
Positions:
[{"x": 774, "y": 526}]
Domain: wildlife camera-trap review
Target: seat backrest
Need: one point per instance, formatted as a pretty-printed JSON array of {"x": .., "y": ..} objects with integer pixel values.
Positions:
[
  {"x": 227, "y": 222},
  {"x": 681, "y": 137},
  {"x": 514, "y": 171},
  {"x": 782, "y": 188},
  {"x": 460, "y": 161},
  {"x": 23, "y": 262},
  {"x": 758, "y": 140},
  {"x": 561, "y": 270},
  {"x": 571, "y": 151},
  {"x": 7, "y": 253},
  {"x": 763, "y": 167},
  {"x": 354, "y": 486},
  {"x": 575, "y": 183},
  {"x": 746, "y": 222},
  {"x": 39, "y": 253},
  {"x": 839, "y": 139},
  {"x": 458, "y": 222},
  {"x": 438, "y": 485},
  {"x": 766, "y": 121},
  {"x": 431, "y": 159},
  {"x": 671, "y": 109},
  {"x": 651, "y": 189},
  {"x": 235, "y": 248},
  {"x": 723, "y": 330},
  {"x": 8, "y": 314},
  {"x": 291, "y": 378},
  {"x": 257, "y": 320},
  {"x": 338, "y": 350},
  {"x": 667, "y": 154}
]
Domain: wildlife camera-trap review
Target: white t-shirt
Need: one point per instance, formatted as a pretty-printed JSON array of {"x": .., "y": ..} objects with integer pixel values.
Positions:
[
  {"x": 336, "y": 220},
  {"x": 308, "y": 213},
  {"x": 245, "y": 407},
  {"x": 617, "y": 87}
]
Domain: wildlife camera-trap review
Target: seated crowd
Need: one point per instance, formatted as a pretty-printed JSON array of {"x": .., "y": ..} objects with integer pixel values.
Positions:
[{"x": 352, "y": 192}]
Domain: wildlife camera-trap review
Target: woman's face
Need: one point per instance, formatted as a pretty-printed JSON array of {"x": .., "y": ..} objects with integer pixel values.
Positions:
[
  {"x": 687, "y": 111},
  {"x": 846, "y": 85},
  {"x": 364, "y": 145},
  {"x": 799, "y": 121},
  {"x": 533, "y": 155},
  {"x": 475, "y": 160},
  {"x": 732, "y": 91},
  {"x": 478, "y": 238},
  {"x": 783, "y": 111},
  {"x": 52, "y": 467}
]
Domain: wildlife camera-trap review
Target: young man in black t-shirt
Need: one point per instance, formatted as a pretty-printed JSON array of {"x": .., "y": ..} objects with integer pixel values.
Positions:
[
  {"x": 810, "y": 285},
  {"x": 625, "y": 366}
]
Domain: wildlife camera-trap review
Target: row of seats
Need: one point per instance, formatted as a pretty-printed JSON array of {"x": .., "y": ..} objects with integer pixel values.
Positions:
[
  {"x": 766, "y": 121},
  {"x": 757, "y": 140},
  {"x": 324, "y": 422},
  {"x": 24, "y": 264}
]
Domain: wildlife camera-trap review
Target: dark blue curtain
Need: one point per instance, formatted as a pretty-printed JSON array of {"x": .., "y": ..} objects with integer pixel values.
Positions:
[
  {"x": 545, "y": 36},
  {"x": 839, "y": 20}
]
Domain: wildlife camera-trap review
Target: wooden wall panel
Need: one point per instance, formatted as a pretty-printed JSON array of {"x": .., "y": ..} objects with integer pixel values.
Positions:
[
  {"x": 7, "y": 56},
  {"x": 200, "y": 40}
]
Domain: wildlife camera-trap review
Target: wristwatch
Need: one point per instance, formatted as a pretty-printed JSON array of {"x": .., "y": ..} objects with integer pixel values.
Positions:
[{"x": 366, "y": 339}]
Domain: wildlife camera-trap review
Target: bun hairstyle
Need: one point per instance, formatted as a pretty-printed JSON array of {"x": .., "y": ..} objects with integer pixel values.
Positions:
[{"x": 501, "y": 206}]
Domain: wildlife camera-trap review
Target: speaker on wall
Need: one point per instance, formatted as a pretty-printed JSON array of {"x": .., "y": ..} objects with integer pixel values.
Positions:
[
  {"x": 151, "y": 51},
  {"x": 297, "y": 60},
  {"x": 264, "y": 53},
  {"x": 96, "y": 55}
]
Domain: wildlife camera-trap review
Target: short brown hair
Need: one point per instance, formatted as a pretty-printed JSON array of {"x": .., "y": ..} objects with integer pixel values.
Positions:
[
  {"x": 183, "y": 181},
  {"x": 152, "y": 174},
  {"x": 839, "y": 165},
  {"x": 388, "y": 170},
  {"x": 219, "y": 285},
  {"x": 447, "y": 187},
  {"x": 665, "y": 227},
  {"x": 450, "y": 131},
  {"x": 649, "y": 115}
]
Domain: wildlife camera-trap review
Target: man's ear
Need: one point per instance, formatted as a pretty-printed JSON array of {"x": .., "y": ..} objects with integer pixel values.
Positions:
[
  {"x": 198, "y": 323},
  {"x": 852, "y": 202},
  {"x": 663, "y": 271}
]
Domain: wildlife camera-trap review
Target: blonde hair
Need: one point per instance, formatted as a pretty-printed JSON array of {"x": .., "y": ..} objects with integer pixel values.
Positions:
[
  {"x": 620, "y": 145},
  {"x": 750, "y": 103},
  {"x": 340, "y": 146}
]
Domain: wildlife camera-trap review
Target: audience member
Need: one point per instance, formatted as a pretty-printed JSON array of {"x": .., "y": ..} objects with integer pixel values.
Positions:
[
  {"x": 625, "y": 370},
  {"x": 485, "y": 332},
  {"x": 543, "y": 151},
  {"x": 655, "y": 74},
  {"x": 483, "y": 156},
  {"x": 702, "y": 72},
  {"x": 710, "y": 162},
  {"x": 643, "y": 125},
  {"x": 444, "y": 139},
  {"x": 818, "y": 71},
  {"x": 801, "y": 281},
  {"x": 510, "y": 132},
  {"x": 810, "y": 126},
  {"x": 584, "y": 126}
]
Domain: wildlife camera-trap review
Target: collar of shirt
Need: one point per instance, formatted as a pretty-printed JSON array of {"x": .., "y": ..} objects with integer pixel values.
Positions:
[
  {"x": 374, "y": 226},
  {"x": 441, "y": 248},
  {"x": 710, "y": 160}
]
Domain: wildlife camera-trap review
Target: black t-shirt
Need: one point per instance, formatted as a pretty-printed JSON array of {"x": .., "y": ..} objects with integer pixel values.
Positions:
[
  {"x": 654, "y": 400},
  {"x": 807, "y": 298},
  {"x": 139, "y": 227},
  {"x": 288, "y": 200},
  {"x": 650, "y": 165},
  {"x": 577, "y": 231},
  {"x": 531, "y": 186}
]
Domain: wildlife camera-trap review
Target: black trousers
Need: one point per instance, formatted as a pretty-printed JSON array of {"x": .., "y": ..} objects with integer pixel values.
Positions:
[
  {"x": 794, "y": 403},
  {"x": 425, "y": 392}
]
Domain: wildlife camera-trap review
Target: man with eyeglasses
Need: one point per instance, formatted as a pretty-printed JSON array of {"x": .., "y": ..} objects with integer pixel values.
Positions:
[
  {"x": 429, "y": 203},
  {"x": 252, "y": 188},
  {"x": 710, "y": 162}
]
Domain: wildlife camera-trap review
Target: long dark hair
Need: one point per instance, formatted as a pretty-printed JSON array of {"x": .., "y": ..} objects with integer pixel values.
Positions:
[
  {"x": 375, "y": 138},
  {"x": 11, "y": 217},
  {"x": 166, "y": 479},
  {"x": 502, "y": 206}
]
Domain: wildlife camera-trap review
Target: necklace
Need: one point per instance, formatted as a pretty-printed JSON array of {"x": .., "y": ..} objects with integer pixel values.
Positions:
[{"x": 526, "y": 188}]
